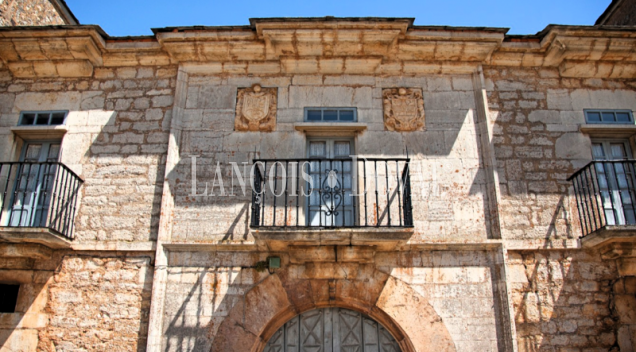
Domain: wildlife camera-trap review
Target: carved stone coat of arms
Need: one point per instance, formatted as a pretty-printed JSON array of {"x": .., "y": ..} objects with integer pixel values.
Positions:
[
  {"x": 403, "y": 109},
  {"x": 256, "y": 109}
]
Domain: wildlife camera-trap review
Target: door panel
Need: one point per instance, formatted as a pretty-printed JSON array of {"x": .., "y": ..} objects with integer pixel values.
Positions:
[
  {"x": 331, "y": 201},
  {"x": 34, "y": 183},
  {"x": 332, "y": 330},
  {"x": 614, "y": 182}
]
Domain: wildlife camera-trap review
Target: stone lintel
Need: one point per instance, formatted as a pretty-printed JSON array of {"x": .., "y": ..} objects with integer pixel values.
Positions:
[
  {"x": 25, "y": 251},
  {"x": 39, "y": 132},
  {"x": 608, "y": 131},
  {"x": 330, "y": 129}
]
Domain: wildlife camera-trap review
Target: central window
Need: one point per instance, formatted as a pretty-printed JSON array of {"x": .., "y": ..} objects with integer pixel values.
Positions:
[{"x": 331, "y": 115}]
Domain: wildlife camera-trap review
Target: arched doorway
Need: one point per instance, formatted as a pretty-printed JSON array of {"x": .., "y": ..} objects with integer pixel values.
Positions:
[{"x": 332, "y": 330}]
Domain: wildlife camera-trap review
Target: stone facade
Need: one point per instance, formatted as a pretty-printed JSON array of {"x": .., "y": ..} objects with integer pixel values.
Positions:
[
  {"x": 166, "y": 255},
  {"x": 35, "y": 13}
]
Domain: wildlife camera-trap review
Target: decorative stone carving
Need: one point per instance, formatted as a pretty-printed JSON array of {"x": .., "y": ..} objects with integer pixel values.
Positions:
[
  {"x": 256, "y": 109},
  {"x": 403, "y": 109}
]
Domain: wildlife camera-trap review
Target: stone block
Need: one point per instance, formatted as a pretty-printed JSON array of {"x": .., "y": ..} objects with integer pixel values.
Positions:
[
  {"x": 573, "y": 146},
  {"x": 304, "y": 254}
]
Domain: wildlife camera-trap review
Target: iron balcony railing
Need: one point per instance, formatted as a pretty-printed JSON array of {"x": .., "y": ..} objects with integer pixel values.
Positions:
[
  {"x": 331, "y": 193},
  {"x": 39, "y": 194},
  {"x": 605, "y": 194}
]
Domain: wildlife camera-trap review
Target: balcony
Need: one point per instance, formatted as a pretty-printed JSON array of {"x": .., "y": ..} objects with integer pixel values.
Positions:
[
  {"x": 39, "y": 202},
  {"x": 332, "y": 201},
  {"x": 605, "y": 195}
]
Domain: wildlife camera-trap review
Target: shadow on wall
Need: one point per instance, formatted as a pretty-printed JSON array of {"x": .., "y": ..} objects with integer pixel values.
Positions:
[
  {"x": 446, "y": 162},
  {"x": 124, "y": 159},
  {"x": 231, "y": 308}
]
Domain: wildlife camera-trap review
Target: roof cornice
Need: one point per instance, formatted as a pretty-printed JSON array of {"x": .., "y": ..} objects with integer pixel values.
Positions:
[{"x": 324, "y": 45}]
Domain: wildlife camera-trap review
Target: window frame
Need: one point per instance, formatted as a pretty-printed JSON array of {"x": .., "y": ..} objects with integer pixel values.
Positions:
[
  {"x": 614, "y": 111},
  {"x": 50, "y": 112},
  {"x": 323, "y": 109}
]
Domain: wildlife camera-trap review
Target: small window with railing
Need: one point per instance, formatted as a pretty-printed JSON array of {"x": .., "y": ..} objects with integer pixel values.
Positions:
[
  {"x": 331, "y": 115},
  {"x": 42, "y": 118},
  {"x": 609, "y": 116}
]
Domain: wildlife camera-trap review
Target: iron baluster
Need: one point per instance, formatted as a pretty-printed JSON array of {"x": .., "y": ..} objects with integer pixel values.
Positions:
[
  {"x": 286, "y": 176},
  {"x": 4, "y": 193},
  {"x": 297, "y": 190},
  {"x": 388, "y": 192},
  {"x": 377, "y": 202},
  {"x": 578, "y": 200},
  {"x": 364, "y": 166},
  {"x": 264, "y": 192},
  {"x": 36, "y": 193},
  {"x": 397, "y": 179},
  {"x": 591, "y": 193}
]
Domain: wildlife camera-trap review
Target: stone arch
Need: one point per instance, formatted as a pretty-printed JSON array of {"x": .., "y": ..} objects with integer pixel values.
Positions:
[{"x": 406, "y": 314}]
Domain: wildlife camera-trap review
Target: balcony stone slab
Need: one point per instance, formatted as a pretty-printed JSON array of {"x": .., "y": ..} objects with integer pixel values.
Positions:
[
  {"x": 384, "y": 239},
  {"x": 38, "y": 235}
]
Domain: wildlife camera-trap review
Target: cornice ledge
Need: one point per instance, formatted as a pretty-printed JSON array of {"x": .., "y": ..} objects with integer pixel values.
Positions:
[{"x": 331, "y": 24}]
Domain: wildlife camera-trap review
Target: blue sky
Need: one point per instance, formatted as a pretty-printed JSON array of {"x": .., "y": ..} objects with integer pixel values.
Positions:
[{"x": 136, "y": 17}]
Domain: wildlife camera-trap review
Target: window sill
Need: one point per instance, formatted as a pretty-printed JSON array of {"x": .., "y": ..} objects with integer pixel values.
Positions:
[
  {"x": 330, "y": 129},
  {"x": 609, "y": 130},
  {"x": 39, "y": 132}
]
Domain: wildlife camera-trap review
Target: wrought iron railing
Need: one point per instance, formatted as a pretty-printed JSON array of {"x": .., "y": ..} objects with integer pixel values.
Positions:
[
  {"x": 39, "y": 194},
  {"x": 605, "y": 194},
  {"x": 331, "y": 193}
]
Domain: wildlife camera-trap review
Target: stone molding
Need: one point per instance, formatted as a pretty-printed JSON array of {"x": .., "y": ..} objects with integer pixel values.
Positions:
[
  {"x": 308, "y": 46},
  {"x": 256, "y": 109},
  {"x": 403, "y": 109}
]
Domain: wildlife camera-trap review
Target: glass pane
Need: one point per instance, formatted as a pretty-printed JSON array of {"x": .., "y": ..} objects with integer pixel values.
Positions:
[
  {"x": 54, "y": 152},
  {"x": 598, "y": 152},
  {"x": 623, "y": 117},
  {"x": 314, "y": 115},
  {"x": 342, "y": 149},
  {"x": 346, "y": 115},
  {"x": 608, "y": 117},
  {"x": 618, "y": 151},
  {"x": 317, "y": 149},
  {"x": 58, "y": 118},
  {"x": 593, "y": 117},
  {"x": 42, "y": 119},
  {"x": 330, "y": 115},
  {"x": 33, "y": 152},
  {"x": 28, "y": 119}
]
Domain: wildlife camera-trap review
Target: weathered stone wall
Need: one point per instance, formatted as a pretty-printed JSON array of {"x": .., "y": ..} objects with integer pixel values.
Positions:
[
  {"x": 205, "y": 287},
  {"x": 29, "y": 13},
  {"x": 446, "y": 160},
  {"x": 118, "y": 125},
  {"x": 563, "y": 299},
  {"x": 537, "y": 115},
  {"x": 75, "y": 301}
]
